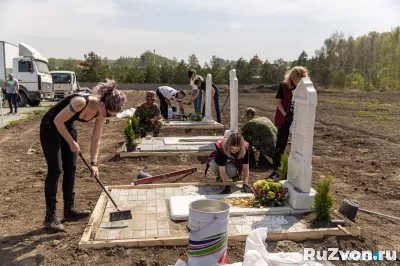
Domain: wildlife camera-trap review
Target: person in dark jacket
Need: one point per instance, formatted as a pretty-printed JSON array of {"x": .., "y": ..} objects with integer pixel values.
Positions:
[
  {"x": 60, "y": 147},
  {"x": 230, "y": 158},
  {"x": 284, "y": 113},
  {"x": 214, "y": 97}
]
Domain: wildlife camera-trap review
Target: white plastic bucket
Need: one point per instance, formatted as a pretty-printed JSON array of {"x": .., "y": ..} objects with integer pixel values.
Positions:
[
  {"x": 208, "y": 238},
  {"x": 170, "y": 112}
]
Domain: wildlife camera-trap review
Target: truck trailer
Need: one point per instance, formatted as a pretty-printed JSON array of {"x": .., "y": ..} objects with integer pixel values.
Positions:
[{"x": 30, "y": 68}]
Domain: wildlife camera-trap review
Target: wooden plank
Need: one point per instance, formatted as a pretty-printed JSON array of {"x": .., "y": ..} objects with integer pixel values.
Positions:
[
  {"x": 162, "y": 185},
  {"x": 170, "y": 174},
  {"x": 354, "y": 229},
  {"x": 183, "y": 240},
  {"x": 206, "y": 126},
  {"x": 95, "y": 217},
  {"x": 162, "y": 153}
]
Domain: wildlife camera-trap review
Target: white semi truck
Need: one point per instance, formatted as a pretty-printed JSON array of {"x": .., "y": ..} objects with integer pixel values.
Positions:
[
  {"x": 30, "y": 68},
  {"x": 66, "y": 83}
]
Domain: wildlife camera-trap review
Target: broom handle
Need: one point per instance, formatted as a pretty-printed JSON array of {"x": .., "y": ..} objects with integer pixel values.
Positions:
[
  {"x": 381, "y": 214},
  {"x": 98, "y": 181}
]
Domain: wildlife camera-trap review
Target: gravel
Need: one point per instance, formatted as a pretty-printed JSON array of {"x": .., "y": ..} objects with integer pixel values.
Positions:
[
  {"x": 272, "y": 222},
  {"x": 190, "y": 191}
]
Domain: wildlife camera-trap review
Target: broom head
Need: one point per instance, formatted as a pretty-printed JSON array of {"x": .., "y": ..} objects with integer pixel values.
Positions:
[{"x": 120, "y": 215}]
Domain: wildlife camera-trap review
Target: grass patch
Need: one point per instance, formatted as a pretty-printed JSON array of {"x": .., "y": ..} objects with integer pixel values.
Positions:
[{"x": 31, "y": 116}]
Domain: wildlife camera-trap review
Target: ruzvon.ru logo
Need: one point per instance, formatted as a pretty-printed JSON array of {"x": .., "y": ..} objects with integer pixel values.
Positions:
[{"x": 348, "y": 255}]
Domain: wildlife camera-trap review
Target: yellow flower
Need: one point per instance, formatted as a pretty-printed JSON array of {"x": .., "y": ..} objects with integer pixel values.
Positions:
[{"x": 271, "y": 195}]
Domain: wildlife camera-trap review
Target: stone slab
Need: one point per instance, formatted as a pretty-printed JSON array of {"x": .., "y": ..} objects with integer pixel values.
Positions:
[
  {"x": 179, "y": 207},
  {"x": 299, "y": 200},
  {"x": 201, "y": 140}
]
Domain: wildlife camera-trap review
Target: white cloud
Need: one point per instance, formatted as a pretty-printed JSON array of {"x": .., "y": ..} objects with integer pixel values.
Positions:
[{"x": 79, "y": 20}]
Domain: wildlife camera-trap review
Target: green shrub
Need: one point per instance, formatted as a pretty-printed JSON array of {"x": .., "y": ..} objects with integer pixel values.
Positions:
[
  {"x": 134, "y": 123},
  {"x": 323, "y": 202},
  {"x": 129, "y": 134},
  {"x": 283, "y": 168}
]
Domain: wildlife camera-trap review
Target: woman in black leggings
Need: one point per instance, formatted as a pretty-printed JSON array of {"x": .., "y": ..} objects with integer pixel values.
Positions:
[{"x": 59, "y": 143}]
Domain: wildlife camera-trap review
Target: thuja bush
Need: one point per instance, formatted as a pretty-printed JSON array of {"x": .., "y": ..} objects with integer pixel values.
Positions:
[
  {"x": 323, "y": 202},
  {"x": 283, "y": 168},
  {"x": 129, "y": 134}
]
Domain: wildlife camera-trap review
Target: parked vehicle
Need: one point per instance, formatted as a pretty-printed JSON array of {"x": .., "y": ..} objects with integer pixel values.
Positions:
[
  {"x": 66, "y": 83},
  {"x": 30, "y": 68}
]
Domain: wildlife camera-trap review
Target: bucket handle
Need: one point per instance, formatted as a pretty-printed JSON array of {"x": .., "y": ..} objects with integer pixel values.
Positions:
[{"x": 215, "y": 217}]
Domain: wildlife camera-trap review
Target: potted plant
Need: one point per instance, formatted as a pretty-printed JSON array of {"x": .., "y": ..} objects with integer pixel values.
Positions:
[
  {"x": 269, "y": 193},
  {"x": 129, "y": 135}
]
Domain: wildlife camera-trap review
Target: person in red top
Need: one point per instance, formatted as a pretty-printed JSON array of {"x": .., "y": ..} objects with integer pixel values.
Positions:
[
  {"x": 284, "y": 113},
  {"x": 230, "y": 158}
]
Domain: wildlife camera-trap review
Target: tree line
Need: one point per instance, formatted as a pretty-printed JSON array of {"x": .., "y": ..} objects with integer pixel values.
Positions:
[{"x": 365, "y": 62}]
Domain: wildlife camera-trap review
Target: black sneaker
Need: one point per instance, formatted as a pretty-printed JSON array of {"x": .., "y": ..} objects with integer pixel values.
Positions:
[
  {"x": 218, "y": 179},
  {"x": 227, "y": 190},
  {"x": 53, "y": 224},
  {"x": 246, "y": 189},
  {"x": 73, "y": 214},
  {"x": 274, "y": 176}
]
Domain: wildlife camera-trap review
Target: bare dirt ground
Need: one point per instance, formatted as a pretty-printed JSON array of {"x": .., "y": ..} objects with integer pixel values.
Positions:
[{"x": 356, "y": 141}]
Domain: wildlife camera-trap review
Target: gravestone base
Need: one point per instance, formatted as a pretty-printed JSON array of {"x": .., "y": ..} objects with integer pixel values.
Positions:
[{"x": 299, "y": 200}]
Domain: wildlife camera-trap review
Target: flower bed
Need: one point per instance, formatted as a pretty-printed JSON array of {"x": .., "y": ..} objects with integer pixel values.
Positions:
[{"x": 269, "y": 193}]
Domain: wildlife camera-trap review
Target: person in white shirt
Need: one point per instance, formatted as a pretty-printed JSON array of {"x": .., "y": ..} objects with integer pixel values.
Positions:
[{"x": 166, "y": 95}]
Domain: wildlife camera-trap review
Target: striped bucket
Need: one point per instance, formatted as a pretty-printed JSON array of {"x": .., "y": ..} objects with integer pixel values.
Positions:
[{"x": 208, "y": 238}]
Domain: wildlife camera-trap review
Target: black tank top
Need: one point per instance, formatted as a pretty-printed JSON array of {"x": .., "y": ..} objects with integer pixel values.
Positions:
[{"x": 54, "y": 110}]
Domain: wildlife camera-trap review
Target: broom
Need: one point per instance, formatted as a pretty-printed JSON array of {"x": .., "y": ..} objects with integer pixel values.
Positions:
[{"x": 114, "y": 216}]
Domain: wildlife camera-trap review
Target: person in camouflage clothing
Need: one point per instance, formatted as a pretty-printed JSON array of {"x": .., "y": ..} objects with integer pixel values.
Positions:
[
  {"x": 259, "y": 132},
  {"x": 149, "y": 116}
]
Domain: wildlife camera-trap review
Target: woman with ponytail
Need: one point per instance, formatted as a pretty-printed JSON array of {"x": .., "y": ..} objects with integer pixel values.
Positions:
[{"x": 59, "y": 143}]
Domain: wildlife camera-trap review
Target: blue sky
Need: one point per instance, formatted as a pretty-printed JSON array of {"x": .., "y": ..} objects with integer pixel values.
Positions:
[{"x": 226, "y": 28}]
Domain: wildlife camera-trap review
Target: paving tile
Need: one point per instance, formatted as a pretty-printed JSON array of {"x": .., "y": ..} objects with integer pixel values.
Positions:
[
  {"x": 237, "y": 220},
  {"x": 115, "y": 193},
  {"x": 142, "y": 192},
  {"x": 139, "y": 234},
  {"x": 151, "y": 217},
  {"x": 133, "y": 192},
  {"x": 168, "y": 196},
  {"x": 122, "y": 203},
  {"x": 202, "y": 191},
  {"x": 131, "y": 205},
  {"x": 160, "y": 196},
  {"x": 177, "y": 191},
  {"x": 132, "y": 197},
  {"x": 160, "y": 202},
  {"x": 161, "y": 215},
  {"x": 151, "y": 203},
  {"x": 139, "y": 210},
  {"x": 164, "y": 232},
  {"x": 160, "y": 190},
  {"x": 151, "y": 233},
  {"x": 102, "y": 234},
  {"x": 169, "y": 190},
  {"x": 126, "y": 233},
  {"x": 124, "y": 192},
  {"x": 141, "y": 203},
  {"x": 104, "y": 225},
  {"x": 162, "y": 223},
  {"x": 161, "y": 208},
  {"x": 151, "y": 210},
  {"x": 142, "y": 197},
  {"x": 124, "y": 197},
  {"x": 151, "y": 197},
  {"x": 150, "y": 191},
  {"x": 232, "y": 229},
  {"x": 140, "y": 217},
  {"x": 290, "y": 219},
  {"x": 151, "y": 225},
  {"x": 139, "y": 226},
  {"x": 289, "y": 227},
  {"x": 114, "y": 234}
]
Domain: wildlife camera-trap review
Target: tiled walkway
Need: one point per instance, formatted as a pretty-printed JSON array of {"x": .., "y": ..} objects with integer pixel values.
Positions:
[{"x": 150, "y": 215}]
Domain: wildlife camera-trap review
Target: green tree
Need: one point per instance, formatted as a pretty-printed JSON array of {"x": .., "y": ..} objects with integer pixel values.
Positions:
[
  {"x": 152, "y": 74},
  {"x": 167, "y": 73},
  {"x": 193, "y": 63},
  {"x": 181, "y": 73}
]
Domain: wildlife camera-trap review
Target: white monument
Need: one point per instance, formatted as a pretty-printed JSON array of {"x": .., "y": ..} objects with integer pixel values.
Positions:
[
  {"x": 234, "y": 93},
  {"x": 301, "y": 195},
  {"x": 207, "y": 112}
]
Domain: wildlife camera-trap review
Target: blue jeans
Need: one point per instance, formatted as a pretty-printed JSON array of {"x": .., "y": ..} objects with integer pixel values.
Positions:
[
  {"x": 12, "y": 100},
  {"x": 197, "y": 103},
  {"x": 216, "y": 104}
]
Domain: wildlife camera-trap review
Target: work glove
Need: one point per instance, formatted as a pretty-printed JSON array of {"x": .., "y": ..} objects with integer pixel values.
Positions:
[
  {"x": 289, "y": 117},
  {"x": 174, "y": 109},
  {"x": 246, "y": 189}
]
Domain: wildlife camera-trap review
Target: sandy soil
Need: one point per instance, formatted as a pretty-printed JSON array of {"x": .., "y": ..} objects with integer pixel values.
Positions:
[{"x": 356, "y": 141}]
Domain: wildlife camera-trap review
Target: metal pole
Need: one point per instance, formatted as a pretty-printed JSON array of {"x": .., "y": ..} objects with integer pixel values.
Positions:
[{"x": 154, "y": 57}]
